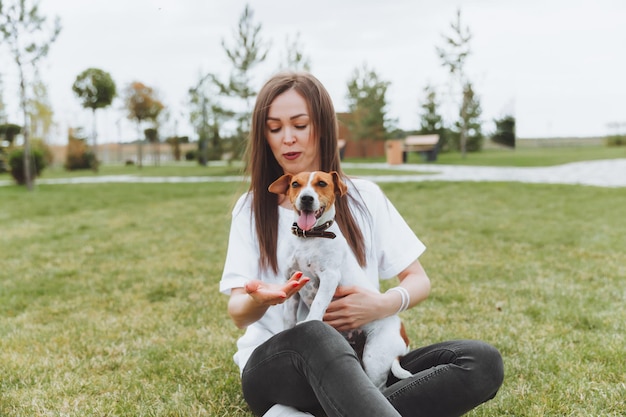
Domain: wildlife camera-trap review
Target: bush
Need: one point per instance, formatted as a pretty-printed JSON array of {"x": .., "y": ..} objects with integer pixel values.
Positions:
[
  {"x": 16, "y": 162},
  {"x": 79, "y": 156},
  {"x": 191, "y": 155},
  {"x": 3, "y": 163},
  {"x": 616, "y": 140},
  {"x": 505, "y": 131},
  {"x": 9, "y": 131}
]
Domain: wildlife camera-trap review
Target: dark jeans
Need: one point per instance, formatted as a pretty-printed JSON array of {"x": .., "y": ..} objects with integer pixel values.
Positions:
[{"x": 311, "y": 367}]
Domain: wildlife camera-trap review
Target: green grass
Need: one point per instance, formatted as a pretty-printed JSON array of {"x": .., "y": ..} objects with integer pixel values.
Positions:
[
  {"x": 109, "y": 302},
  {"x": 183, "y": 169},
  {"x": 525, "y": 157}
]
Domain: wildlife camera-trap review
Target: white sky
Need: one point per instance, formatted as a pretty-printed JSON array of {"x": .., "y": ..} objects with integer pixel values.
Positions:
[{"x": 557, "y": 65}]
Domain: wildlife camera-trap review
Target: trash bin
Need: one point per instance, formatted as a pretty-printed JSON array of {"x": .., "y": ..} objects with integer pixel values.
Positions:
[{"x": 394, "y": 149}]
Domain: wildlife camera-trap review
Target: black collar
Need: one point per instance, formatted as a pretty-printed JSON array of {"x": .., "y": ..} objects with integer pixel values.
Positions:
[{"x": 319, "y": 231}]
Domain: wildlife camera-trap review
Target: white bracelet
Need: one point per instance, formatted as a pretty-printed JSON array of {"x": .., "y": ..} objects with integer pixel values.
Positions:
[{"x": 406, "y": 299}]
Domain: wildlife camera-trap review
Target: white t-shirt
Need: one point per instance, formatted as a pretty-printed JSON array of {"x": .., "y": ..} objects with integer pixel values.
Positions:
[{"x": 390, "y": 243}]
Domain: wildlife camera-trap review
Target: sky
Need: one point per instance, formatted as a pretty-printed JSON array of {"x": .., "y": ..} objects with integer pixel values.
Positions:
[{"x": 556, "y": 65}]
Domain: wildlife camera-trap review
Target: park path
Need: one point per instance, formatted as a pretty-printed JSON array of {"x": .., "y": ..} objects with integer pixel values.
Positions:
[{"x": 601, "y": 173}]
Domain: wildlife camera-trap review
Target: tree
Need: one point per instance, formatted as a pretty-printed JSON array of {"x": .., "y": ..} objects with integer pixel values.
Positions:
[
  {"x": 207, "y": 116},
  {"x": 29, "y": 39},
  {"x": 9, "y": 131},
  {"x": 469, "y": 121},
  {"x": 96, "y": 90},
  {"x": 367, "y": 101},
  {"x": 430, "y": 119},
  {"x": 295, "y": 59},
  {"x": 453, "y": 56},
  {"x": 248, "y": 51},
  {"x": 505, "y": 131},
  {"x": 152, "y": 136},
  {"x": 3, "y": 114},
  {"x": 40, "y": 112},
  {"x": 142, "y": 104}
]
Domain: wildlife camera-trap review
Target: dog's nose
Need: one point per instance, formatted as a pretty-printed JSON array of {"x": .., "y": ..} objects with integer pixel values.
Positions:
[{"x": 306, "y": 199}]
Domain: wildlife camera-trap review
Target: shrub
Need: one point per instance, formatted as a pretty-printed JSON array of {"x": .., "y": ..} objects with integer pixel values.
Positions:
[
  {"x": 79, "y": 156},
  {"x": 3, "y": 163},
  {"x": 505, "y": 131},
  {"x": 9, "y": 131},
  {"x": 16, "y": 162},
  {"x": 191, "y": 155},
  {"x": 616, "y": 140}
]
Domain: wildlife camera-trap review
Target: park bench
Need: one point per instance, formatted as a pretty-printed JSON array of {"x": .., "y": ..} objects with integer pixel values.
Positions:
[{"x": 424, "y": 144}]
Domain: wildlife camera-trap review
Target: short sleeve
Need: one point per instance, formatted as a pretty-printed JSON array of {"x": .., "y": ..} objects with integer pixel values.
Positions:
[
  {"x": 241, "y": 263},
  {"x": 394, "y": 243}
]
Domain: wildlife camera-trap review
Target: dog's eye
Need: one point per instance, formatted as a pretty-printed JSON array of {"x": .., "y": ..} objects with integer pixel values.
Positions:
[
  {"x": 295, "y": 184},
  {"x": 322, "y": 184}
]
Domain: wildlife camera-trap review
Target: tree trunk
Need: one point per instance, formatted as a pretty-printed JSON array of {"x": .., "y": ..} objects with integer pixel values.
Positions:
[
  {"x": 139, "y": 145},
  {"x": 95, "y": 141},
  {"x": 27, "y": 153}
]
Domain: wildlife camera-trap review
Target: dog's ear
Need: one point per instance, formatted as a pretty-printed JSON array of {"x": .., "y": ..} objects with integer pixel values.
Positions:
[
  {"x": 281, "y": 185},
  {"x": 340, "y": 187}
]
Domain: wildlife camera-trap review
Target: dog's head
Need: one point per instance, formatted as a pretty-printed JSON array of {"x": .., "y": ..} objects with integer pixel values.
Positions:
[{"x": 312, "y": 195}]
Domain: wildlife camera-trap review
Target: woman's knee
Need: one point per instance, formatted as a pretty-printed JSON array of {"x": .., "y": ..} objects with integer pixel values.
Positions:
[
  {"x": 318, "y": 339},
  {"x": 487, "y": 367}
]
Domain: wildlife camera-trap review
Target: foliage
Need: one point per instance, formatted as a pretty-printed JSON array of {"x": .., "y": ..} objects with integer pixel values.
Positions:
[
  {"x": 142, "y": 104},
  {"x": 431, "y": 121},
  {"x": 79, "y": 156},
  {"x": 469, "y": 126},
  {"x": 453, "y": 56},
  {"x": 40, "y": 111},
  {"x": 94, "y": 88},
  {"x": 616, "y": 140},
  {"x": 9, "y": 131},
  {"x": 24, "y": 31},
  {"x": 151, "y": 134},
  {"x": 367, "y": 104},
  {"x": 248, "y": 51},
  {"x": 16, "y": 164},
  {"x": 174, "y": 142},
  {"x": 3, "y": 114},
  {"x": 207, "y": 116},
  {"x": 295, "y": 59},
  {"x": 505, "y": 131}
]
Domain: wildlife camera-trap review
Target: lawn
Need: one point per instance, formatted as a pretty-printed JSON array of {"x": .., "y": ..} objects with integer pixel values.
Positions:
[
  {"x": 527, "y": 157},
  {"x": 109, "y": 302}
]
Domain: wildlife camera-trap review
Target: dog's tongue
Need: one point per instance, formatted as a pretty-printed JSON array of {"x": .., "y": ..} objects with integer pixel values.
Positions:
[{"x": 306, "y": 220}]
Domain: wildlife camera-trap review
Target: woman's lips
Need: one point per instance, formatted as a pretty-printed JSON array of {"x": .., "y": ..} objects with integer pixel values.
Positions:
[{"x": 291, "y": 155}]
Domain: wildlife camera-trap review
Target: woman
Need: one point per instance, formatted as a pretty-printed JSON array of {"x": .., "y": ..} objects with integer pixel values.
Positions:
[{"x": 312, "y": 369}]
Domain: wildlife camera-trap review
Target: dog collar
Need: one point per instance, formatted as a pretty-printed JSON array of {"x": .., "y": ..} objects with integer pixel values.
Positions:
[{"x": 319, "y": 231}]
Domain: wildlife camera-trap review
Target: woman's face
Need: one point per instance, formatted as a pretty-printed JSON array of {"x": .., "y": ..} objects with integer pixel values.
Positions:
[{"x": 290, "y": 135}]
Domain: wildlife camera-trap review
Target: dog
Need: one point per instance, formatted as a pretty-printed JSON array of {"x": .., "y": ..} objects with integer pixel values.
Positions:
[{"x": 322, "y": 254}]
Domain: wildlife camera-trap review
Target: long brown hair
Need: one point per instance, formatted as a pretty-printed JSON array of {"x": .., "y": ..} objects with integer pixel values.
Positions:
[{"x": 263, "y": 169}]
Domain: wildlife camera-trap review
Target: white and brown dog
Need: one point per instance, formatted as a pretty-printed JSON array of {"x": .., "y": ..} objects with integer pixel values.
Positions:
[{"x": 328, "y": 263}]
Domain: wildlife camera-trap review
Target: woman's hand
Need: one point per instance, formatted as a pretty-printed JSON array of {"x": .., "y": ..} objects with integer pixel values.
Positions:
[
  {"x": 248, "y": 304},
  {"x": 272, "y": 294},
  {"x": 355, "y": 306}
]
